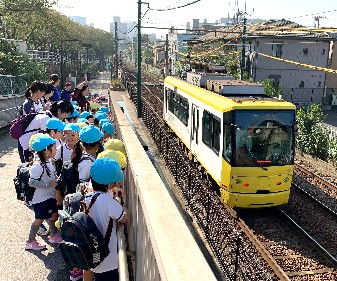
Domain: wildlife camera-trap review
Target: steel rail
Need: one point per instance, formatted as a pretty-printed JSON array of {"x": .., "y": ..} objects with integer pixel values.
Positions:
[{"x": 330, "y": 258}]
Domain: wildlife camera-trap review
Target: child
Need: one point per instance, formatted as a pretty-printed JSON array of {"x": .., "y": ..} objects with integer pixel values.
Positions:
[
  {"x": 85, "y": 152},
  {"x": 114, "y": 155},
  {"x": 115, "y": 144},
  {"x": 42, "y": 177},
  {"x": 73, "y": 118},
  {"x": 64, "y": 153},
  {"x": 54, "y": 128},
  {"x": 108, "y": 130},
  {"x": 105, "y": 175}
]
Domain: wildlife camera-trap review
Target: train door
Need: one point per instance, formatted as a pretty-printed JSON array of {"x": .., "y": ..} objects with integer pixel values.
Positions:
[
  {"x": 166, "y": 98},
  {"x": 194, "y": 127}
]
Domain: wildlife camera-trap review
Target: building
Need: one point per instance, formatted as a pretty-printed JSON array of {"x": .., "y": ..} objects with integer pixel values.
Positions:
[
  {"x": 177, "y": 44},
  {"x": 78, "y": 19},
  {"x": 125, "y": 30},
  {"x": 268, "y": 45}
]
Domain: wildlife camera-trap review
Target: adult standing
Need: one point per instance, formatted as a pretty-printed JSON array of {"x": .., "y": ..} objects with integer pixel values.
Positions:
[
  {"x": 59, "y": 110},
  {"x": 66, "y": 92},
  {"x": 54, "y": 79},
  {"x": 32, "y": 104},
  {"x": 79, "y": 96}
]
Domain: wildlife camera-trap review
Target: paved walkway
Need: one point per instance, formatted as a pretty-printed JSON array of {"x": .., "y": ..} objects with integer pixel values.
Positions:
[{"x": 17, "y": 264}]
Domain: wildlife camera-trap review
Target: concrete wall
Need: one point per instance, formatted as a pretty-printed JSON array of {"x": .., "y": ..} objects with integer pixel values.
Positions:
[
  {"x": 163, "y": 245},
  {"x": 8, "y": 108},
  {"x": 298, "y": 83}
]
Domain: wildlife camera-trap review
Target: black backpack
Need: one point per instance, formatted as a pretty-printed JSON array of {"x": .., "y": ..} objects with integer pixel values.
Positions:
[
  {"x": 24, "y": 191},
  {"x": 83, "y": 245},
  {"x": 69, "y": 178}
]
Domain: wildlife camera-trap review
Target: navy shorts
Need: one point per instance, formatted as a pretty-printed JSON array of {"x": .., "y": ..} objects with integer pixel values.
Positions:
[
  {"x": 45, "y": 209},
  {"x": 107, "y": 276}
]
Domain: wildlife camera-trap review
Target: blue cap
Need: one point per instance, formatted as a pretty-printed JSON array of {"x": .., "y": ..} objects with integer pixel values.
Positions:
[
  {"x": 106, "y": 171},
  {"x": 84, "y": 120},
  {"x": 102, "y": 121},
  {"x": 108, "y": 128},
  {"x": 90, "y": 134},
  {"x": 42, "y": 142},
  {"x": 73, "y": 102},
  {"x": 84, "y": 114},
  {"x": 76, "y": 114},
  {"x": 55, "y": 124},
  {"x": 101, "y": 115},
  {"x": 72, "y": 127},
  {"x": 104, "y": 109}
]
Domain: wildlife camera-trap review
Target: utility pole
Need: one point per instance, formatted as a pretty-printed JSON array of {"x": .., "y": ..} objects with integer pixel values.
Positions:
[
  {"x": 116, "y": 51},
  {"x": 243, "y": 54},
  {"x": 139, "y": 63},
  {"x": 166, "y": 57}
]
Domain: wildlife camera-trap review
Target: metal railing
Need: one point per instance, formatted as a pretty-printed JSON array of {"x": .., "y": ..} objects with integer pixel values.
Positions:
[{"x": 12, "y": 90}]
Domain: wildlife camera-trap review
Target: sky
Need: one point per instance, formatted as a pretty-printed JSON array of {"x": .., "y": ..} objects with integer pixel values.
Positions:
[{"x": 101, "y": 12}]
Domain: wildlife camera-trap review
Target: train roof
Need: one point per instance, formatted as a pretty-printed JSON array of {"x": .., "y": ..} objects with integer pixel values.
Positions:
[{"x": 225, "y": 103}]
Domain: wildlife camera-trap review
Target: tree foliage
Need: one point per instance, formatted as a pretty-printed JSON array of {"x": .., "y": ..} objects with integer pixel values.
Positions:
[
  {"x": 269, "y": 88},
  {"x": 312, "y": 137},
  {"x": 45, "y": 29}
]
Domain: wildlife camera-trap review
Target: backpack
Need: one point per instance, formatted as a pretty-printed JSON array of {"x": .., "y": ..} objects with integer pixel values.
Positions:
[
  {"x": 83, "y": 245},
  {"x": 69, "y": 177},
  {"x": 24, "y": 191},
  {"x": 72, "y": 204},
  {"x": 19, "y": 125},
  {"x": 59, "y": 163}
]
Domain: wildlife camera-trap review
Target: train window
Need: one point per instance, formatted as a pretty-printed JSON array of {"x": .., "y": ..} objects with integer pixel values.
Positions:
[
  {"x": 171, "y": 100},
  {"x": 206, "y": 128},
  {"x": 227, "y": 140},
  {"x": 176, "y": 111},
  {"x": 184, "y": 110},
  {"x": 216, "y": 134},
  {"x": 211, "y": 131}
]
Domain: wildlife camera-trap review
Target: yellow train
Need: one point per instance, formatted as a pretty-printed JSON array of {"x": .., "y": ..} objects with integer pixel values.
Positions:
[{"x": 243, "y": 139}]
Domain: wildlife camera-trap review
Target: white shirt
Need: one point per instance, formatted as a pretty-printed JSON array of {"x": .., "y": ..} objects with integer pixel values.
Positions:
[
  {"x": 84, "y": 167},
  {"x": 103, "y": 209},
  {"x": 38, "y": 123},
  {"x": 42, "y": 193},
  {"x": 65, "y": 150},
  {"x": 38, "y": 106}
]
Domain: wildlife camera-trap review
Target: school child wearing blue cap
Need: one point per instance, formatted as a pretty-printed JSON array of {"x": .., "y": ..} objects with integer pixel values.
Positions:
[
  {"x": 54, "y": 128},
  {"x": 43, "y": 178},
  {"x": 86, "y": 151},
  {"x": 72, "y": 118},
  {"x": 65, "y": 151},
  {"x": 105, "y": 175},
  {"x": 108, "y": 130}
]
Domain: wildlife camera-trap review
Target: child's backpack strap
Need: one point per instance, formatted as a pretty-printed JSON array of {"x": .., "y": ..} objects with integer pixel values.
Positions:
[{"x": 111, "y": 222}]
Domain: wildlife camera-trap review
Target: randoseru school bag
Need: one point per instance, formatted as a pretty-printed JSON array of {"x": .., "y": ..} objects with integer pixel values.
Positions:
[
  {"x": 69, "y": 178},
  {"x": 83, "y": 245},
  {"x": 72, "y": 204},
  {"x": 19, "y": 125},
  {"x": 23, "y": 190}
]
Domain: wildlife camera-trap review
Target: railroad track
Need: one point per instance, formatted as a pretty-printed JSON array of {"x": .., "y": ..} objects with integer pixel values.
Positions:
[
  {"x": 323, "y": 189},
  {"x": 287, "y": 247},
  {"x": 299, "y": 262}
]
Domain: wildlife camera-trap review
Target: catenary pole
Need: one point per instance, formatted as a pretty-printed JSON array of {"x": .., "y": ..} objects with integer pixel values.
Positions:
[
  {"x": 243, "y": 55},
  {"x": 139, "y": 63},
  {"x": 116, "y": 51}
]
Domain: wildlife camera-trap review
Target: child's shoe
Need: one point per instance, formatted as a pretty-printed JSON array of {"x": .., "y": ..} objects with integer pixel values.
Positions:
[
  {"x": 34, "y": 245},
  {"x": 42, "y": 230},
  {"x": 76, "y": 274},
  {"x": 55, "y": 239}
]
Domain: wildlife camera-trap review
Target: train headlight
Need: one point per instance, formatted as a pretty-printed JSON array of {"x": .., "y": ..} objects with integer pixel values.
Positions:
[
  {"x": 237, "y": 181},
  {"x": 286, "y": 179}
]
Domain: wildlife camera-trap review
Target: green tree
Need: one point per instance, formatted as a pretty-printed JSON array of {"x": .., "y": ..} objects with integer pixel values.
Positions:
[
  {"x": 270, "y": 89},
  {"x": 312, "y": 138}
]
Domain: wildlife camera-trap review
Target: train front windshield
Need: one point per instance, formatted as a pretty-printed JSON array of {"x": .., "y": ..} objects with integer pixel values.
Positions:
[{"x": 263, "y": 138}]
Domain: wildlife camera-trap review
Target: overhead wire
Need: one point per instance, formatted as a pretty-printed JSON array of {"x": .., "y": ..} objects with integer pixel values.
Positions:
[{"x": 177, "y": 7}]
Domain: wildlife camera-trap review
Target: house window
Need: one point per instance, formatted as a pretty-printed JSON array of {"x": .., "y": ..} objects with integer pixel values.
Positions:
[
  {"x": 276, "y": 80},
  {"x": 305, "y": 51},
  {"x": 323, "y": 51},
  {"x": 319, "y": 83},
  {"x": 277, "y": 49},
  {"x": 301, "y": 84}
]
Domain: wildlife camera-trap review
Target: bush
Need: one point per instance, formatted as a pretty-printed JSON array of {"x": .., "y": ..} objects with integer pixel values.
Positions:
[{"x": 312, "y": 138}]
